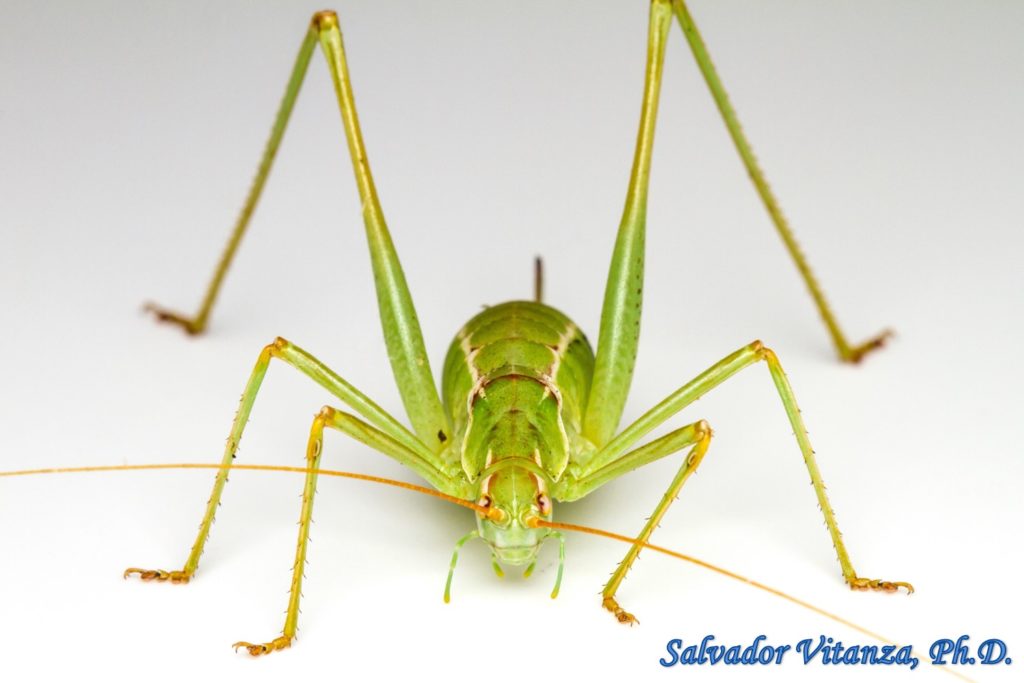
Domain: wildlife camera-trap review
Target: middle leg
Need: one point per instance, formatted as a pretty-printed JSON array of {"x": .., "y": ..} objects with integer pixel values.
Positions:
[
  {"x": 387, "y": 435},
  {"x": 613, "y": 459}
]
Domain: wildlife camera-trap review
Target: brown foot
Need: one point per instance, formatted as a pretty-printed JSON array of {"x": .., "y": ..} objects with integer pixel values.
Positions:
[
  {"x": 622, "y": 615},
  {"x": 855, "y": 354},
  {"x": 163, "y": 315},
  {"x": 159, "y": 575},
  {"x": 258, "y": 649},
  {"x": 859, "y": 584}
]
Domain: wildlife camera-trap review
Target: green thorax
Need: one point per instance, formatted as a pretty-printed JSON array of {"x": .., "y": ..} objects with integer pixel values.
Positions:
[{"x": 515, "y": 385}]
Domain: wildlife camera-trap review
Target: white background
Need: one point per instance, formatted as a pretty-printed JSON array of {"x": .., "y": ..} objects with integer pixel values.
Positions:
[{"x": 128, "y": 136}]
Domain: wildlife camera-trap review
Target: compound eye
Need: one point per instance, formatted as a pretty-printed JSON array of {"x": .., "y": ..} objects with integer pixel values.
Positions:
[
  {"x": 489, "y": 512},
  {"x": 544, "y": 504}
]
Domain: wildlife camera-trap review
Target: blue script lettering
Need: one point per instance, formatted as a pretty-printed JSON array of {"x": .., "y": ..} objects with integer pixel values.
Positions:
[
  {"x": 945, "y": 646},
  {"x": 673, "y": 647},
  {"x": 988, "y": 654},
  {"x": 756, "y": 653},
  {"x": 830, "y": 651}
]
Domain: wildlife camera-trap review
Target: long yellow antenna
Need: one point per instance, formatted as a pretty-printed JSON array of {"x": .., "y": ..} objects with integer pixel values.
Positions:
[
  {"x": 259, "y": 468},
  {"x": 483, "y": 511}
]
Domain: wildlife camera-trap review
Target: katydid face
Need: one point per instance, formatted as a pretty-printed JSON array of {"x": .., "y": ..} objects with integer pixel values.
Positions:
[{"x": 517, "y": 493}]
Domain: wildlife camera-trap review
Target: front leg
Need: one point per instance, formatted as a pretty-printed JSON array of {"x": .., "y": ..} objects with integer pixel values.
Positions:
[
  {"x": 699, "y": 435},
  {"x": 357, "y": 429}
]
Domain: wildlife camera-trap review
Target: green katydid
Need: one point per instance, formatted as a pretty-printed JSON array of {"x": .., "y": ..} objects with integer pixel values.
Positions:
[{"x": 528, "y": 414}]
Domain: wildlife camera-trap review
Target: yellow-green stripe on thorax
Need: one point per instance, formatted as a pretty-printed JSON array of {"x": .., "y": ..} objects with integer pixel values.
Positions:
[{"x": 516, "y": 381}]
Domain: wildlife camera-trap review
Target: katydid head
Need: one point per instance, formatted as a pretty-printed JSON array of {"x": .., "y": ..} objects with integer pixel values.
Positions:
[{"x": 515, "y": 499}]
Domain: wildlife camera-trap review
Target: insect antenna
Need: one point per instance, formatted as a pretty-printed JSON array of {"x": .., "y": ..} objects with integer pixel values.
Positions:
[
  {"x": 258, "y": 468},
  {"x": 560, "y": 526}
]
